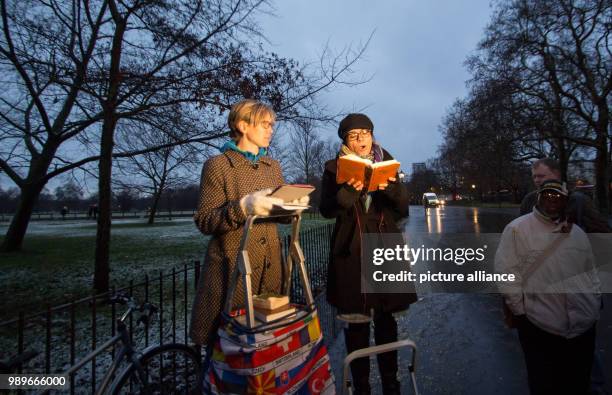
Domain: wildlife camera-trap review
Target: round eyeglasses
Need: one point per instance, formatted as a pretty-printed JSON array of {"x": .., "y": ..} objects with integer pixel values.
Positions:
[
  {"x": 354, "y": 136},
  {"x": 267, "y": 124}
]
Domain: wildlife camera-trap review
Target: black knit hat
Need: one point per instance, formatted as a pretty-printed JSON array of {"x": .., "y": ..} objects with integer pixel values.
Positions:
[{"x": 354, "y": 121}]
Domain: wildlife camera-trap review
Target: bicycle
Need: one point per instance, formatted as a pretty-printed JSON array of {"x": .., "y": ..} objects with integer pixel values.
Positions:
[{"x": 169, "y": 368}]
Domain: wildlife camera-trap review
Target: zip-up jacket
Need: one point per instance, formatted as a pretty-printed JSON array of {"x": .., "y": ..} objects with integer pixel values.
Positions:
[{"x": 558, "y": 290}]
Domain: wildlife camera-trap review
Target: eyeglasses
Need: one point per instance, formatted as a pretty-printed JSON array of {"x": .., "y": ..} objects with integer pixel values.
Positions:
[
  {"x": 551, "y": 195},
  {"x": 267, "y": 124},
  {"x": 354, "y": 136}
]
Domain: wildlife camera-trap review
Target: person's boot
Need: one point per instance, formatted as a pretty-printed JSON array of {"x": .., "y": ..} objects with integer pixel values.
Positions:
[
  {"x": 362, "y": 386},
  {"x": 385, "y": 331},
  {"x": 357, "y": 336},
  {"x": 390, "y": 384}
]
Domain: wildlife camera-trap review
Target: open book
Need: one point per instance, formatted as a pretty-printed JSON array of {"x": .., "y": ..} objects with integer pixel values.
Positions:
[
  {"x": 289, "y": 193},
  {"x": 370, "y": 174}
]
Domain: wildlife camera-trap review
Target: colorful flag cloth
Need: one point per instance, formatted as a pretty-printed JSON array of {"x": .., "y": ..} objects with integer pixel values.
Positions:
[{"x": 288, "y": 357}]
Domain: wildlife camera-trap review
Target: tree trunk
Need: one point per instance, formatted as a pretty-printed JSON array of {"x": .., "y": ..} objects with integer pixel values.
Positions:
[
  {"x": 601, "y": 181},
  {"x": 154, "y": 206},
  {"x": 30, "y": 191},
  {"x": 563, "y": 158},
  {"x": 102, "y": 264},
  {"x": 13, "y": 240}
]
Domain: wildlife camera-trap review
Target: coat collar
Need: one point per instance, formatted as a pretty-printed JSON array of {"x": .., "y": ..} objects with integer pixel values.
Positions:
[
  {"x": 236, "y": 159},
  {"x": 556, "y": 225}
]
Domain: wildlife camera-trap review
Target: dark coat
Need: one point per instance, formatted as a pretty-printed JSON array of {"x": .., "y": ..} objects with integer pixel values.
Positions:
[
  {"x": 225, "y": 179},
  {"x": 344, "y": 271}
]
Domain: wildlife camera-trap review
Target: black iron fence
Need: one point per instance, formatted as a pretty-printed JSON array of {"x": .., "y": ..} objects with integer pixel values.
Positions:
[
  {"x": 65, "y": 333},
  {"x": 84, "y": 215}
]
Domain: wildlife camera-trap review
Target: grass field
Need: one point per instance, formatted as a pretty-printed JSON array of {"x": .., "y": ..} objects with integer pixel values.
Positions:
[{"x": 56, "y": 263}]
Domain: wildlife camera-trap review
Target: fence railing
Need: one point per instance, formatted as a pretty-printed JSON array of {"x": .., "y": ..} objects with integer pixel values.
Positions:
[
  {"x": 65, "y": 333},
  {"x": 84, "y": 215}
]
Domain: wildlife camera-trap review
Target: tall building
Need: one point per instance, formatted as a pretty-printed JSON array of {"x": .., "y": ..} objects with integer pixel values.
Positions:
[{"x": 418, "y": 167}]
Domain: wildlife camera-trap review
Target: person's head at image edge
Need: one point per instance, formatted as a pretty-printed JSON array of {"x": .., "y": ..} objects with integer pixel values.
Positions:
[{"x": 251, "y": 124}]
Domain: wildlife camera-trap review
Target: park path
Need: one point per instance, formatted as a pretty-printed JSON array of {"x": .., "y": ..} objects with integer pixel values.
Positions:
[{"x": 463, "y": 346}]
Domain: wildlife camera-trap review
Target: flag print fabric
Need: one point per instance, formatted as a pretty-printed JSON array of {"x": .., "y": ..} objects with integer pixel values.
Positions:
[{"x": 288, "y": 358}]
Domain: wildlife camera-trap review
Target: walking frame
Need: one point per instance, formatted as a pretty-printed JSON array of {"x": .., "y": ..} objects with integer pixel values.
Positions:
[
  {"x": 295, "y": 256},
  {"x": 375, "y": 350},
  {"x": 243, "y": 270}
]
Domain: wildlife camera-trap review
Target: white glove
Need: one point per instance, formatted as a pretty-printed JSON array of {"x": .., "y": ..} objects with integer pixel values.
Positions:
[
  {"x": 303, "y": 201},
  {"x": 258, "y": 203}
]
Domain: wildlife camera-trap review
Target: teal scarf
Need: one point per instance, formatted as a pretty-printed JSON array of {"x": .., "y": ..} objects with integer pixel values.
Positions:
[{"x": 231, "y": 145}]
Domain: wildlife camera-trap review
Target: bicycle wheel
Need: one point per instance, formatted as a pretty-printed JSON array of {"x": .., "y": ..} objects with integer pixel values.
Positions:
[{"x": 168, "y": 369}]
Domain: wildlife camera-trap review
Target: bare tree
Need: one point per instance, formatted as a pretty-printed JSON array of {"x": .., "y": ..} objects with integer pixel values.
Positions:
[
  {"x": 556, "y": 56},
  {"x": 79, "y": 69},
  {"x": 45, "y": 50},
  {"x": 152, "y": 173},
  {"x": 305, "y": 152}
]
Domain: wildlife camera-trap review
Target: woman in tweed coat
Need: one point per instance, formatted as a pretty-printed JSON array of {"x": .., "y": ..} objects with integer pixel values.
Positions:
[{"x": 234, "y": 185}]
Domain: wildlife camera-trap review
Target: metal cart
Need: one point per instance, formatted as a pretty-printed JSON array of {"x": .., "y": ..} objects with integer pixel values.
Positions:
[
  {"x": 374, "y": 350},
  {"x": 286, "y": 355},
  {"x": 295, "y": 256}
]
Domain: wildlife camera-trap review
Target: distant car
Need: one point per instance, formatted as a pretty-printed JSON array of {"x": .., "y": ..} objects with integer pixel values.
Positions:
[{"x": 430, "y": 200}]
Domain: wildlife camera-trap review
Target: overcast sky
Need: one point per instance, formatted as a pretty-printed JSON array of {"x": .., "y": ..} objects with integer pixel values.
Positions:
[{"x": 416, "y": 60}]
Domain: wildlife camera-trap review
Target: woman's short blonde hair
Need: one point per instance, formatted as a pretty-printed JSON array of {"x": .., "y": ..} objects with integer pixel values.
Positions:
[{"x": 248, "y": 110}]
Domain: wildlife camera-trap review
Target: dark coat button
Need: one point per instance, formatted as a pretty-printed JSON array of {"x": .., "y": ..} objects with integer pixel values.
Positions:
[{"x": 262, "y": 241}]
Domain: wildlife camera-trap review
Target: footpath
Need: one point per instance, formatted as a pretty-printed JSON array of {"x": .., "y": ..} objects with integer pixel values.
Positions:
[
  {"x": 463, "y": 345},
  {"x": 464, "y": 348}
]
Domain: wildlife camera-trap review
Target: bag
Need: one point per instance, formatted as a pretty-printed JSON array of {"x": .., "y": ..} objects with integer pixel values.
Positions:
[{"x": 286, "y": 357}]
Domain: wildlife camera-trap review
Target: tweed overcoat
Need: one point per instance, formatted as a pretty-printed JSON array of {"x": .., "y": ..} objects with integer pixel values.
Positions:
[
  {"x": 225, "y": 179},
  {"x": 343, "y": 203}
]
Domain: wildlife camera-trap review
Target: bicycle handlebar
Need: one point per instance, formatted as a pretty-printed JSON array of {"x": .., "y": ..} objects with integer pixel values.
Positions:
[{"x": 148, "y": 309}]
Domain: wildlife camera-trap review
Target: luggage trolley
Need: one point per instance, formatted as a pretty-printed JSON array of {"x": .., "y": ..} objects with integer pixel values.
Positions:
[
  {"x": 286, "y": 355},
  {"x": 374, "y": 350}
]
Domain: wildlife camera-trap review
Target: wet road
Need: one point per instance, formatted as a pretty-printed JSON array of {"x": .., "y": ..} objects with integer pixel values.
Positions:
[{"x": 463, "y": 347}]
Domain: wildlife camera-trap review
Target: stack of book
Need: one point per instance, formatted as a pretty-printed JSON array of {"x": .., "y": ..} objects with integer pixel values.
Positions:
[{"x": 272, "y": 307}]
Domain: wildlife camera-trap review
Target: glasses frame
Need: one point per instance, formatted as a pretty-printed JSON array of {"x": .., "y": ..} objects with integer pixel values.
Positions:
[
  {"x": 355, "y": 136},
  {"x": 267, "y": 124},
  {"x": 552, "y": 195}
]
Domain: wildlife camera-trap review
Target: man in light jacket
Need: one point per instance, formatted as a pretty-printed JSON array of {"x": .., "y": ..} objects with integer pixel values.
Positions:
[{"x": 555, "y": 298}]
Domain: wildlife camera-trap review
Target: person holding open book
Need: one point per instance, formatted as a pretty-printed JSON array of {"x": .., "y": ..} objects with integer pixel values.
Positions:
[
  {"x": 234, "y": 185},
  {"x": 363, "y": 204}
]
